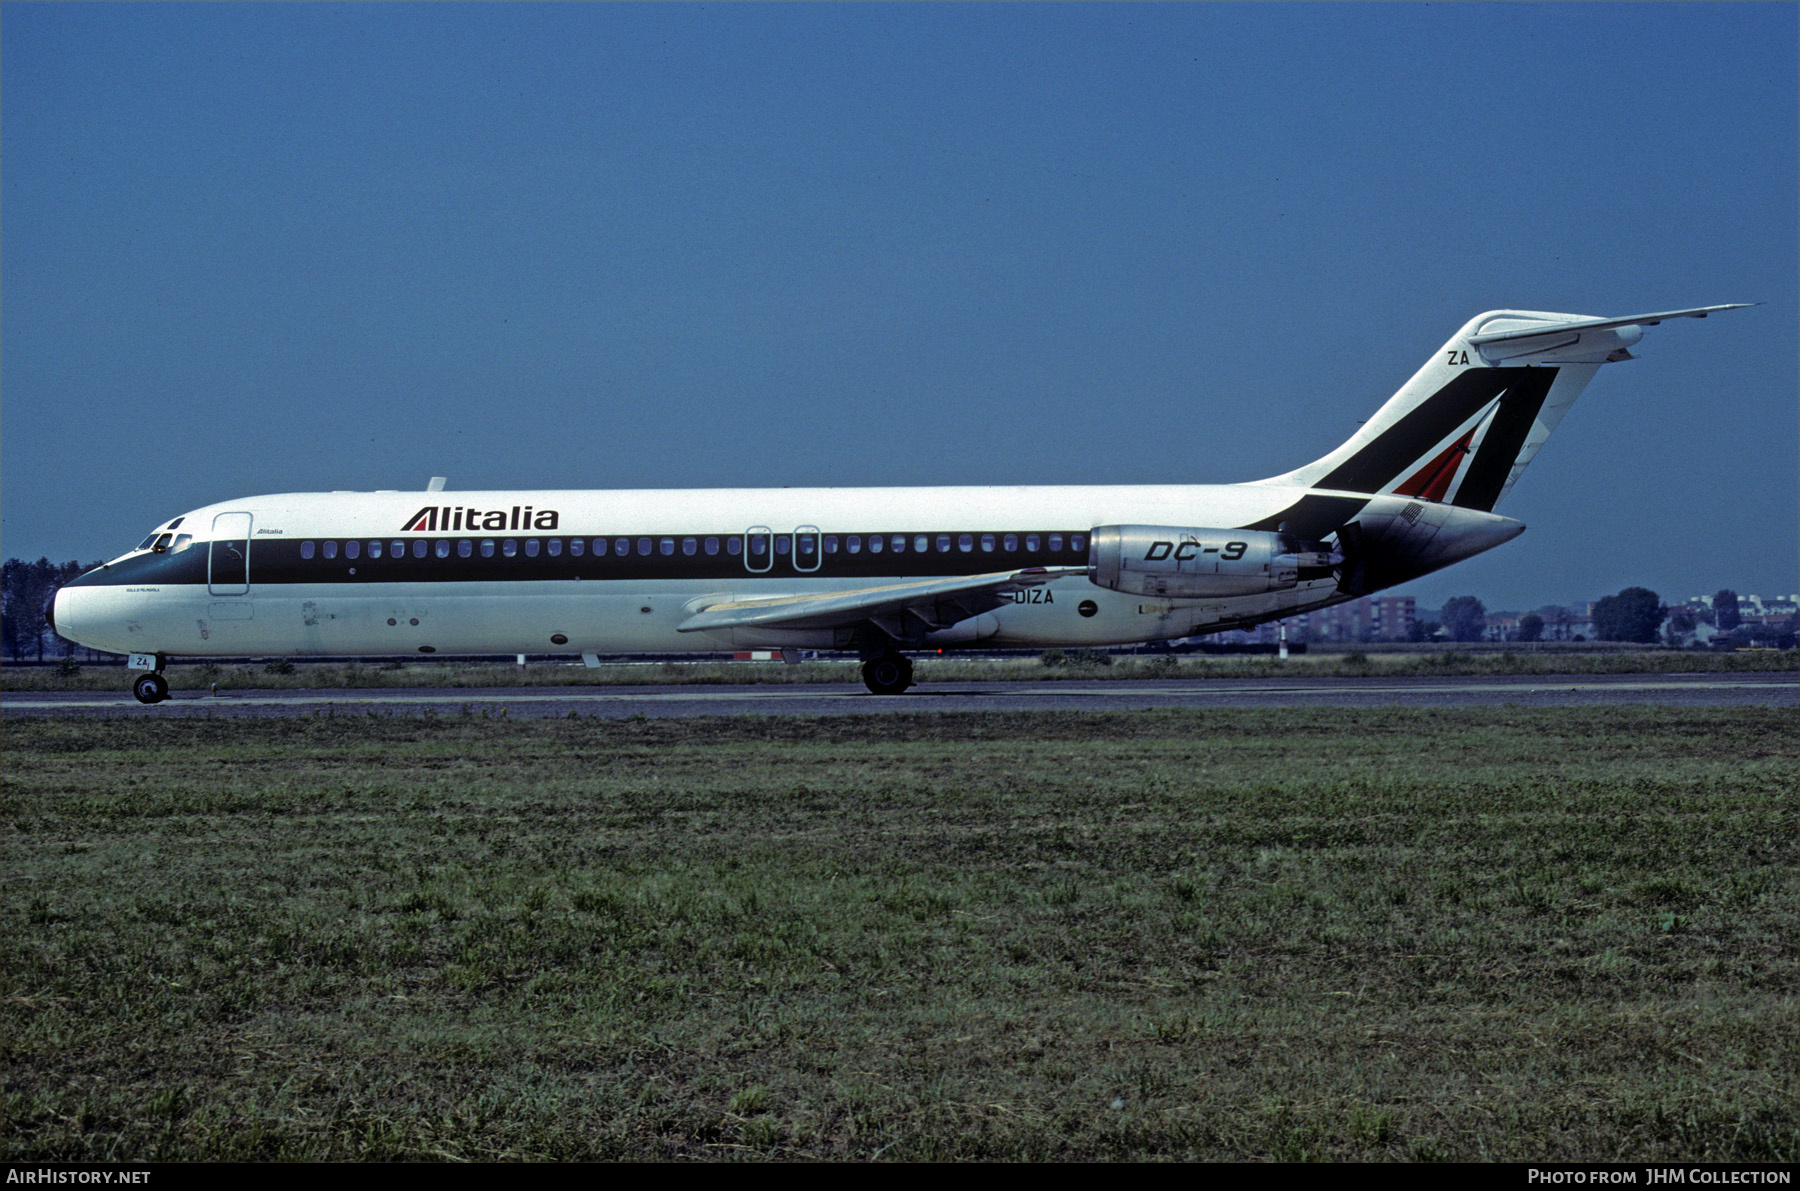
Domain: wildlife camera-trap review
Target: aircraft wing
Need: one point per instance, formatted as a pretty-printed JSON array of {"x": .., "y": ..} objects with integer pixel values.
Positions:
[{"x": 903, "y": 610}]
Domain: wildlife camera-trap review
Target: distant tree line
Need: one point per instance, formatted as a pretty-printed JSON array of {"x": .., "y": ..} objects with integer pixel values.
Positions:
[{"x": 28, "y": 589}]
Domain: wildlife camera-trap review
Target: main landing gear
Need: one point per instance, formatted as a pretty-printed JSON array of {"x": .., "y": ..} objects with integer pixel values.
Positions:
[
  {"x": 888, "y": 674},
  {"x": 151, "y": 687}
]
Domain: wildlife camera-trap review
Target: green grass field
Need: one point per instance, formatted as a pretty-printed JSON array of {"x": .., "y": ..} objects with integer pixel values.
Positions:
[
  {"x": 1376, "y": 662},
  {"x": 1472, "y": 934}
]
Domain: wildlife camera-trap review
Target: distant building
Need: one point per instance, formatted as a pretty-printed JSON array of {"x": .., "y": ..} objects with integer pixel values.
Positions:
[{"x": 1371, "y": 618}]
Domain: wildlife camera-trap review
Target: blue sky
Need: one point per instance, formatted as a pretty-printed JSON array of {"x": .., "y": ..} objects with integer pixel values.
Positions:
[{"x": 263, "y": 248}]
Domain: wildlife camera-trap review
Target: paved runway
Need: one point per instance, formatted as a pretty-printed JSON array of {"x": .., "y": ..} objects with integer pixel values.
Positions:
[{"x": 619, "y": 702}]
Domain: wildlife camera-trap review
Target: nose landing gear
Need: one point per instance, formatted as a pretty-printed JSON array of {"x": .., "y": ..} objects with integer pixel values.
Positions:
[{"x": 151, "y": 687}]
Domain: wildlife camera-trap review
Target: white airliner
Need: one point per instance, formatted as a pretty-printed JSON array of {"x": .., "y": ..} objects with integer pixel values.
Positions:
[{"x": 875, "y": 570}]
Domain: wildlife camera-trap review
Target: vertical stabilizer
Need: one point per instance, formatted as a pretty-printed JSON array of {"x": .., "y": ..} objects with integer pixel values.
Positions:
[{"x": 1463, "y": 428}]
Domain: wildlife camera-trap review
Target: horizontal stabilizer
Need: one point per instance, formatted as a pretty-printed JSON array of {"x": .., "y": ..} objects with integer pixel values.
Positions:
[{"x": 1600, "y": 324}]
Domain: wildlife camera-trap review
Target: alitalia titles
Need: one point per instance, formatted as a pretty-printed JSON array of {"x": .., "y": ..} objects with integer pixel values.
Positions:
[{"x": 461, "y": 519}]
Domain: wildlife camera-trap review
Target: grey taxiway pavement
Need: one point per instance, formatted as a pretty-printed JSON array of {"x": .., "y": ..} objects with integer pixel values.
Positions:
[{"x": 618, "y": 702}]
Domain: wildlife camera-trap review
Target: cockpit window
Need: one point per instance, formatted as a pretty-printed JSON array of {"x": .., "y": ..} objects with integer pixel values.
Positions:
[
  {"x": 147, "y": 542},
  {"x": 162, "y": 543},
  {"x": 182, "y": 542},
  {"x": 176, "y": 524}
]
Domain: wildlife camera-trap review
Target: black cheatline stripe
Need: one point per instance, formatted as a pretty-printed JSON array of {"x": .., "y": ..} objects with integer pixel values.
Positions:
[
  {"x": 1499, "y": 450},
  {"x": 277, "y": 562},
  {"x": 1404, "y": 443}
]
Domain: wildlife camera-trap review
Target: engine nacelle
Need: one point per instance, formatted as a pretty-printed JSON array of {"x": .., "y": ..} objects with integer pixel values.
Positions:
[{"x": 1158, "y": 560}]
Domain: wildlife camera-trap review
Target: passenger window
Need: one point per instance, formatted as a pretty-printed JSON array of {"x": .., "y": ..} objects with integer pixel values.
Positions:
[
  {"x": 1077, "y": 541},
  {"x": 330, "y": 549},
  {"x": 712, "y": 545},
  {"x": 921, "y": 544},
  {"x": 1055, "y": 543},
  {"x": 352, "y": 549},
  {"x": 831, "y": 543},
  {"x": 443, "y": 548},
  {"x": 375, "y": 549},
  {"x": 781, "y": 543},
  {"x": 987, "y": 543},
  {"x": 690, "y": 546},
  {"x": 599, "y": 547},
  {"x": 531, "y": 547},
  {"x": 734, "y": 546},
  {"x": 966, "y": 543},
  {"x": 576, "y": 547},
  {"x": 644, "y": 547},
  {"x": 397, "y": 549},
  {"x": 419, "y": 547},
  {"x": 465, "y": 548},
  {"x": 1031, "y": 543},
  {"x": 943, "y": 543},
  {"x": 667, "y": 545},
  {"x": 853, "y": 544},
  {"x": 509, "y": 548},
  {"x": 876, "y": 542},
  {"x": 306, "y": 549},
  {"x": 622, "y": 547},
  {"x": 1010, "y": 543},
  {"x": 554, "y": 545},
  {"x": 487, "y": 547},
  {"x": 759, "y": 544}
]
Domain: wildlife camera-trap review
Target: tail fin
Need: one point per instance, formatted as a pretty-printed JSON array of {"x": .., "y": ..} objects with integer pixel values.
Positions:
[{"x": 1464, "y": 427}]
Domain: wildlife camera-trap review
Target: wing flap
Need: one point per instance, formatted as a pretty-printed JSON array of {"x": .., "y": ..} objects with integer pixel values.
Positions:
[{"x": 901, "y": 610}]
